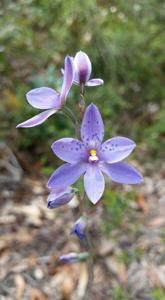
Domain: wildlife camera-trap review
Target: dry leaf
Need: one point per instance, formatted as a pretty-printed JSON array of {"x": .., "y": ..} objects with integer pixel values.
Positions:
[
  {"x": 143, "y": 203},
  {"x": 36, "y": 294},
  {"x": 156, "y": 222},
  {"x": 83, "y": 281},
  {"x": 20, "y": 286}
]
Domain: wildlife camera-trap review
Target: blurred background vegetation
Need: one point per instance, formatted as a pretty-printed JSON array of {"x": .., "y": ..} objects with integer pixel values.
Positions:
[{"x": 124, "y": 40}]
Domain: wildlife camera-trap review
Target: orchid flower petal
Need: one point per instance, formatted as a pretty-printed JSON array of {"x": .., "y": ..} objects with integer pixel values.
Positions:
[
  {"x": 92, "y": 128},
  {"x": 60, "y": 196},
  {"x": 94, "y": 82},
  {"x": 69, "y": 150},
  {"x": 83, "y": 67},
  {"x": 75, "y": 80},
  {"x": 116, "y": 149},
  {"x": 38, "y": 119},
  {"x": 43, "y": 98},
  {"x": 73, "y": 257},
  {"x": 121, "y": 172},
  {"x": 94, "y": 183},
  {"x": 66, "y": 175},
  {"x": 70, "y": 258},
  {"x": 67, "y": 79},
  {"x": 79, "y": 228}
]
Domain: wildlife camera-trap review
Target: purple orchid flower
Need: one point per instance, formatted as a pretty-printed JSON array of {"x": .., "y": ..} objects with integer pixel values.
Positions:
[
  {"x": 49, "y": 99},
  {"x": 83, "y": 69},
  {"x": 60, "y": 196},
  {"x": 73, "y": 257},
  {"x": 91, "y": 158},
  {"x": 79, "y": 228}
]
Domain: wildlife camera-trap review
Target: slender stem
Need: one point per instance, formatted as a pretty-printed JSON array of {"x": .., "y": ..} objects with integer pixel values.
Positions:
[
  {"x": 70, "y": 114},
  {"x": 67, "y": 111},
  {"x": 87, "y": 244},
  {"x": 90, "y": 265},
  {"x": 82, "y": 100},
  {"x": 81, "y": 204}
]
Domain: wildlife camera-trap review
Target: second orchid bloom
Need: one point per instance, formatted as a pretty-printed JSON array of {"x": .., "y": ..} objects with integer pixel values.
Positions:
[{"x": 76, "y": 70}]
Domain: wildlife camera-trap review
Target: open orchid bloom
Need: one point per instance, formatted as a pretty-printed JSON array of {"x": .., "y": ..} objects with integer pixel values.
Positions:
[
  {"x": 91, "y": 158},
  {"x": 60, "y": 196},
  {"x": 79, "y": 228},
  {"x": 83, "y": 69},
  {"x": 49, "y": 99}
]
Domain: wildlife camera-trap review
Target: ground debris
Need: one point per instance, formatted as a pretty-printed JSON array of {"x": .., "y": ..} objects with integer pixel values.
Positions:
[{"x": 33, "y": 237}]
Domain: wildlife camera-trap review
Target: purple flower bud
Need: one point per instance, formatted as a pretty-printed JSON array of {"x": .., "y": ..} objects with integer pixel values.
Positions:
[
  {"x": 83, "y": 67},
  {"x": 73, "y": 257},
  {"x": 61, "y": 196},
  {"x": 79, "y": 228}
]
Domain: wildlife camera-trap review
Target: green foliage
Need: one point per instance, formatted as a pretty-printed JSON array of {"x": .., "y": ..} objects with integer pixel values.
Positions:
[
  {"x": 155, "y": 135},
  {"x": 119, "y": 295},
  {"x": 158, "y": 294},
  {"x": 124, "y": 40},
  {"x": 127, "y": 258},
  {"x": 116, "y": 205}
]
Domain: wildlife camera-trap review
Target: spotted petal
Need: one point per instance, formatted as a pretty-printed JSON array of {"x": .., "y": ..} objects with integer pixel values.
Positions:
[
  {"x": 66, "y": 175},
  {"x": 38, "y": 119},
  {"x": 92, "y": 128},
  {"x": 67, "y": 79},
  {"x": 43, "y": 98},
  {"x": 94, "y": 82},
  {"x": 94, "y": 183},
  {"x": 122, "y": 173},
  {"x": 116, "y": 149},
  {"x": 69, "y": 150}
]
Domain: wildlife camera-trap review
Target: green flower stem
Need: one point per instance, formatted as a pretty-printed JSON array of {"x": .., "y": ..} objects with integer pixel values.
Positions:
[
  {"x": 68, "y": 112},
  {"x": 82, "y": 100},
  {"x": 87, "y": 245}
]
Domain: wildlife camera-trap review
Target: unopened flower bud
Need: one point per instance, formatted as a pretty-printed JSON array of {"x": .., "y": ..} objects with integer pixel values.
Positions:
[
  {"x": 82, "y": 67},
  {"x": 79, "y": 228},
  {"x": 58, "y": 197},
  {"x": 73, "y": 257}
]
